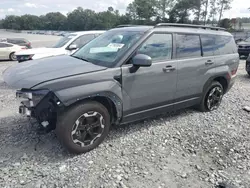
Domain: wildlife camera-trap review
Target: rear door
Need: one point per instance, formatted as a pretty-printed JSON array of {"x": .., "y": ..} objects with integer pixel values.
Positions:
[
  {"x": 194, "y": 66},
  {"x": 150, "y": 89}
]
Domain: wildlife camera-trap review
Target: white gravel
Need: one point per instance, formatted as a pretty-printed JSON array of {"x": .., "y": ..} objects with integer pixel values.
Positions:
[{"x": 182, "y": 149}]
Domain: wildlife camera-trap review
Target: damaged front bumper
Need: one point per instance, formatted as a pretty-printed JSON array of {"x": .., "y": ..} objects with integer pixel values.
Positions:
[{"x": 43, "y": 105}]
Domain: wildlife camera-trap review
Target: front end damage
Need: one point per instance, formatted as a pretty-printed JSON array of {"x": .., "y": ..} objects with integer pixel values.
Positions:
[{"x": 42, "y": 105}]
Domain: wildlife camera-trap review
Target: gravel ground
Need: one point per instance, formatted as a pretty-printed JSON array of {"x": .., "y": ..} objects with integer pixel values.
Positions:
[{"x": 182, "y": 149}]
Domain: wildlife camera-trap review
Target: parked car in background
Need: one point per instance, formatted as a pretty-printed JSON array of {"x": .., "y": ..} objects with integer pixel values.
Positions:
[
  {"x": 8, "y": 50},
  {"x": 124, "y": 75},
  {"x": 66, "y": 45},
  {"x": 248, "y": 65},
  {"x": 17, "y": 41},
  {"x": 244, "y": 47}
]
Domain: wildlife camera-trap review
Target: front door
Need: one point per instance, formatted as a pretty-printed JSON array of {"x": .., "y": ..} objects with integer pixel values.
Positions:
[
  {"x": 150, "y": 90},
  {"x": 4, "y": 51}
]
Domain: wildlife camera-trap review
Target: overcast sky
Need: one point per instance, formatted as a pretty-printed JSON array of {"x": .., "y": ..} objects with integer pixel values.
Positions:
[{"x": 38, "y": 7}]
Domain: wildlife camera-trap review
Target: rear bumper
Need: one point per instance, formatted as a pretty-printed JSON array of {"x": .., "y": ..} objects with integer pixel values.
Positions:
[{"x": 22, "y": 58}]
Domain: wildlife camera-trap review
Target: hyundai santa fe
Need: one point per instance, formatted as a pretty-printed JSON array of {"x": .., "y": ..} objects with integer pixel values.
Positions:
[{"x": 126, "y": 74}]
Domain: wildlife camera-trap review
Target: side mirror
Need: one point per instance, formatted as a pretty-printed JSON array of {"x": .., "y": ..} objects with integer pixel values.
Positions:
[
  {"x": 142, "y": 60},
  {"x": 72, "y": 47}
]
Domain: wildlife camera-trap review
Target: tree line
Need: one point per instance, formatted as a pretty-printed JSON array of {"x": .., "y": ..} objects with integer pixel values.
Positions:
[{"x": 147, "y": 12}]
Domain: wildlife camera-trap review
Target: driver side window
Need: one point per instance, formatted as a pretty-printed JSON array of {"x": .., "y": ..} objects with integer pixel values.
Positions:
[{"x": 158, "y": 46}]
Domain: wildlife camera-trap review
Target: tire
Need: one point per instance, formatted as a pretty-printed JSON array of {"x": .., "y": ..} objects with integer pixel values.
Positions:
[
  {"x": 248, "y": 72},
  {"x": 203, "y": 106},
  {"x": 69, "y": 122},
  {"x": 12, "y": 56}
]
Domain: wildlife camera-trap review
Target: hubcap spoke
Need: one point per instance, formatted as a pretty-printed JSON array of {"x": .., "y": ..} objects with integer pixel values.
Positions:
[
  {"x": 214, "y": 98},
  {"x": 87, "y": 129}
]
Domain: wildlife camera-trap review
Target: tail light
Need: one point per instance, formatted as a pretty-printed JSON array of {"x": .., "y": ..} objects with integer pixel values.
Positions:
[{"x": 234, "y": 71}]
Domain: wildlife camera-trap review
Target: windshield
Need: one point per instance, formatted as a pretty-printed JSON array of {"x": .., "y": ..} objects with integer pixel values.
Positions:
[
  {"x": 108, "y": 48},
  {"x": 64, "y": 40},
  {"x": 248, "y": 39}
]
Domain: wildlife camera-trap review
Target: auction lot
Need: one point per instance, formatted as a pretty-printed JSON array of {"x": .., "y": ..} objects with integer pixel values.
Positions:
[{"x": 182, "y": 149}]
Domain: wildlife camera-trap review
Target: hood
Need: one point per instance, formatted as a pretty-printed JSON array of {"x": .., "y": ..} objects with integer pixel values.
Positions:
[
  {"x": 35, "y": 51},
  {"x": 31, "y": 73},
  {"x": 244, "y": 43}
]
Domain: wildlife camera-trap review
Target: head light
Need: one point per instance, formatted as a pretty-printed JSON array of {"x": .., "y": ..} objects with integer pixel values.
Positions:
[{"x": 34, "y": 96}]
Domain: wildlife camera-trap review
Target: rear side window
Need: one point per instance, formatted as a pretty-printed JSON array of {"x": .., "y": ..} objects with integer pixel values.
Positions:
[
  {"x": 225, "y": 45},
  {"x": 208, "y": 45},
  {"x": 16, "y": 41},
  {"x": 3, "y": 45},
  {"x": 158, "y": 47},
  {"x": 188, "y": 46}
]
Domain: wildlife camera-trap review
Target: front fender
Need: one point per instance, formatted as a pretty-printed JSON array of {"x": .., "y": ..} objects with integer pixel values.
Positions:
[{"x": 107, "y": 88}]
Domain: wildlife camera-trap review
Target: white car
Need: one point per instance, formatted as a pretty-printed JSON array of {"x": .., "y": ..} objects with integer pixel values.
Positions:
[
  {"x": 65, "y": 46},
  {"x": 8, "y": 50}
]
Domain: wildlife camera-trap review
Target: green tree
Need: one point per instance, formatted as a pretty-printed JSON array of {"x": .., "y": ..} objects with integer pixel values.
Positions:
[
  {"x": 145, "y": 9},
  {"x": 32, "y": 20},
  {"x": 12, "y": 22},
  {"x": 181, "y": 11},
  {"x": 131, "y": 11},
  {"x": 223, "y": 5},
  {"x": 163, "y": 8},
  {"x": 225, "y": 23},
  {"x": 54, "y": 21}
]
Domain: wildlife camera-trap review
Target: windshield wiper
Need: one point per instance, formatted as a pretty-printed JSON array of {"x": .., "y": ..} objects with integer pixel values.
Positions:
[{"x": 81, "y": 58}]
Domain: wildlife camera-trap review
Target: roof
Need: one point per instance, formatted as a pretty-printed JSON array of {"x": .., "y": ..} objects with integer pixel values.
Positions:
[{"x": 88, "y": 32}]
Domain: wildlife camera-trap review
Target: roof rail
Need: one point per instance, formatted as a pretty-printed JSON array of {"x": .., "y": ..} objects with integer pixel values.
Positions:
[
  {"x": 130, "y": 25},
  {"x": 189, "y": 26}
]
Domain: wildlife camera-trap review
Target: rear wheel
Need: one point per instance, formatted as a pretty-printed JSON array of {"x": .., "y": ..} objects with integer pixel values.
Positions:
[
  {"x": 83, "y": 127},
  {"x": 12, "y": 56},
  {"x": 212, "y": 97}
]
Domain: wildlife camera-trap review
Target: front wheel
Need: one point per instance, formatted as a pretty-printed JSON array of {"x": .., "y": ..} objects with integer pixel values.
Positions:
[
  {"x": 212, "y": 97},
  {"x": 83, "y": 127}
]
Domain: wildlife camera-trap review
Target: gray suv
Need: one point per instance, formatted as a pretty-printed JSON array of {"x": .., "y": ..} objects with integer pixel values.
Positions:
[{"x": 124, "y": 75}]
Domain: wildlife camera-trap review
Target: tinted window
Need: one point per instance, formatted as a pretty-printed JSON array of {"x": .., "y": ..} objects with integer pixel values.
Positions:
[
  {"x": 82, "y": 40},
  {"x": 158, "y": 47},
  {"x": 16, "y": 41},
  {"x": 2, "y": 45},
  {"x": 208, "y": 45},
  {"x": 188, "y": 46},
  {"x": 225, "y": 45}
]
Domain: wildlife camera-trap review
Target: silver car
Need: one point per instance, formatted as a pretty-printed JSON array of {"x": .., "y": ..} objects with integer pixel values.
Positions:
[{"x": 124, "y": 75}]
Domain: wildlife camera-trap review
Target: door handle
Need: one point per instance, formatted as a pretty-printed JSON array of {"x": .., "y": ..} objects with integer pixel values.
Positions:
[
  {"x": 209, "y": 62},
  {"x": 168, "y": 69}
]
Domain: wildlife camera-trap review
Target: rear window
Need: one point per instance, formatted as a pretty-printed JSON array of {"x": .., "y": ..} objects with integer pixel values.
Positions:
[
  {"x": 188, "y": 46},
  {"x": 225, "y": 45}
]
